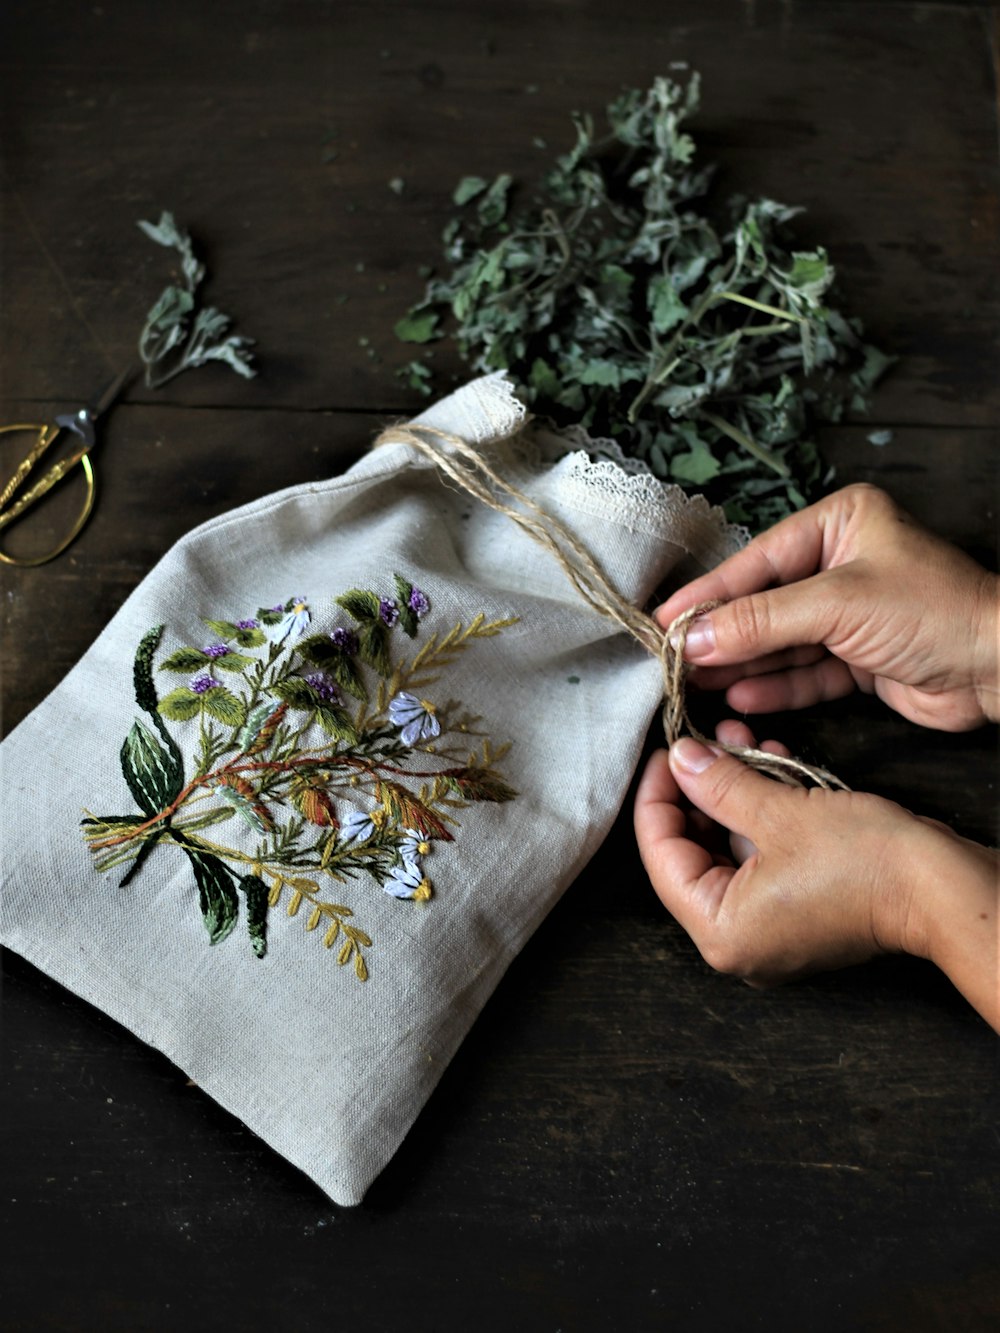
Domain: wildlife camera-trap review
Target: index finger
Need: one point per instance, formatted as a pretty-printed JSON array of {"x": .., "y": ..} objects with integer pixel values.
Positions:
[{"x": 789, "y": 551}]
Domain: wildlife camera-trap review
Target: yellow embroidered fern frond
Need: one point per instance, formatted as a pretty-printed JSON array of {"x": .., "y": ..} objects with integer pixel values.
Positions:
[{"x": 437, "y": 653}]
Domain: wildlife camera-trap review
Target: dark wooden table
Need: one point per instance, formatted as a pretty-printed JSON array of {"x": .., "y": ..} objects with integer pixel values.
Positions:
[{"x": 626, "y": 1141}]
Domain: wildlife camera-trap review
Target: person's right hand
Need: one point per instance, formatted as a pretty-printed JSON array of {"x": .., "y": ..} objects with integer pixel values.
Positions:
[{"x": 850, "y": 592}]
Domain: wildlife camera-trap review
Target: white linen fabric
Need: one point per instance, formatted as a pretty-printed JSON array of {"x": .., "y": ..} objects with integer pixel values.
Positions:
[{"x": 273, "y": 782}]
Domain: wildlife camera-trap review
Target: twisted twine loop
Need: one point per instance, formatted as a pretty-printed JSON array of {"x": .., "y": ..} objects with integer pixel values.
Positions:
[{"x": 470, "y": 471}]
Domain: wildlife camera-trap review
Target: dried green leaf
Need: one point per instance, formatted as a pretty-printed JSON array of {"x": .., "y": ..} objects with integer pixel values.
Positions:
[
  {"x": 624, "y": 296},
  {"x": 468, "y": 188}
]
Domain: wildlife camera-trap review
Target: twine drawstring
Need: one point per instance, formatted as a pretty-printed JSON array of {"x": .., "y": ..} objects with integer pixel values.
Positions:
[{"x": 469, "y": 470}]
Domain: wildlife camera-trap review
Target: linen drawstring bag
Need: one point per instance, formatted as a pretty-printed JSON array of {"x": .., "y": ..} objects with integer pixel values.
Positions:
[{"x": 304, "y": 799}]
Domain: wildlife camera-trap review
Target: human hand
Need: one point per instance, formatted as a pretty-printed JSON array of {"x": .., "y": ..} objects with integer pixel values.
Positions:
[
  {"x": 816, "y": 879},
  {"x": 866, "y": 598}
]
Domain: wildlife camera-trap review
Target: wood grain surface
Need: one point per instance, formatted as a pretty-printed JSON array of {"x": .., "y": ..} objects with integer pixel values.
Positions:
[{"x": 626, "y": 1141}]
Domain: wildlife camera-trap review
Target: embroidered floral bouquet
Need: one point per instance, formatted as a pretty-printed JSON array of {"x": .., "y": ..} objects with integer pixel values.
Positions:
[
  {"x": 308, "y": 741},
  {"x": 354, "y": 803}
]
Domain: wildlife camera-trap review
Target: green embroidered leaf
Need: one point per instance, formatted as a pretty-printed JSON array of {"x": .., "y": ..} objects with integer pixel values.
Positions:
[
  {"x": 145, "y": 690},
  {"x": 246, "y": 638},
  {"x": 150, "y": 770},
  {"x": 224, "y": 628},
  {"x": 251, "y": 638},
  {"x": 144, "y": 851},
  {"x": 342, "y": 668},
  {"x": 408, "y": 621},
  {"x": 146, "y": 696},
  {"x": 362, "y": 605},
  {"x": 186, "y": 660},
  {"x": 296, "y": 692},
  {"x": 216, "y": 893},
  {"x": 336, "y": 723},
  {"x": 253, "y": 726},
  {"x": 256, "y": 895},
  {"x": 181, "y": 705},
  {"x": 105, "y": 822},
  {"x": 224, "y": 706},
  {"x": 321, "y": 651},
  {"x": 267, "y": 616},
  {"x": 233, "y": 661},
  {"x": 253, "y": 813},
  {"x": 373, "y": 647},
  {"x": 299, "y": 694},
  {"x": 479, "y": 784}
]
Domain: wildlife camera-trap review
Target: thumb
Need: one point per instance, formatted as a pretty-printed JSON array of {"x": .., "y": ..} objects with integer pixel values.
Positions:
[
  {"x": 764, "y": 622},
  {"x": 728, "y": 791}
]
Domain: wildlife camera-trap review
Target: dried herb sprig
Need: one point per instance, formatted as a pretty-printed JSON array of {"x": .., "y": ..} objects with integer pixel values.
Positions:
[
  {"x": 179, "y": 334},
  {"x": 624, "y": 297}
]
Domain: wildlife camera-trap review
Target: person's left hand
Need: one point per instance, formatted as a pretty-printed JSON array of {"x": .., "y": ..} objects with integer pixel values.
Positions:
[{"x": 811, "y": 878}]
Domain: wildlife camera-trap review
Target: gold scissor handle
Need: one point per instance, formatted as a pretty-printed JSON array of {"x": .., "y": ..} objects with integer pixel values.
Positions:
[{"x": 45, "y": 436}]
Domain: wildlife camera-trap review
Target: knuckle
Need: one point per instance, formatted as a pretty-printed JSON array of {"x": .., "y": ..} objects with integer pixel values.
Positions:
[
  {"x": 750, "y": 619},
  {"x": 864, "y": 495},
  {"x": 724, "y": 955},
  {"x": 734, "y": 794}
]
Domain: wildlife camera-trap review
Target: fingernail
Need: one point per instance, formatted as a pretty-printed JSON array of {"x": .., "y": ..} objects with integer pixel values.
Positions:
[
  {"x": 692, "y": 756},
  {"x": 700, "y": 638}
]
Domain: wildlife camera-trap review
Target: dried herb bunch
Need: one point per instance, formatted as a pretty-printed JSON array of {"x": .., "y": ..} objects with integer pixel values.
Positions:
[
  {"x": 180, "y": 333},
  {"x": 624, "y": 297}
]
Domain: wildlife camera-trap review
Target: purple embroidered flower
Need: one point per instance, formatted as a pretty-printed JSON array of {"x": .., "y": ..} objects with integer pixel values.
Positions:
[
  {"x": 324, "y": 686},
  {"x": 203, "y": 683},
  {"x": 388, "y": 610},
  {"x": 293, "y": 623},
  {"x": 419, "y": 604},
  {"x": 215, "y": 650},
  {"x": 345, "y": 639},
  {"x": 417, "y": 718},
  {"x": 408, "y": 881},
  {"x": 250, "y": 623}
]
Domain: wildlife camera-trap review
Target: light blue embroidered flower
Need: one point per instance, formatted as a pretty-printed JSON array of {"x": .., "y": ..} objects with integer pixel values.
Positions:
[
  {"x": 408, "y": 881},
  {"x": 417, "y": 718},
  {"x": 360, "y": 825},
  {"x": 413, "y": 847},
  {"x": 292, "y": 625}
]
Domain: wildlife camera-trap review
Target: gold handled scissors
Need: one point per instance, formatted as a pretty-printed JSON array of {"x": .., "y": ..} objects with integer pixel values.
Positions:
[{"x": 79, "y": 423}]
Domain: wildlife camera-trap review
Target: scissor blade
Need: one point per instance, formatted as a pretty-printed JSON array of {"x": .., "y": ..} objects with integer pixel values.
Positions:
[{"x": 108, "y": 394}]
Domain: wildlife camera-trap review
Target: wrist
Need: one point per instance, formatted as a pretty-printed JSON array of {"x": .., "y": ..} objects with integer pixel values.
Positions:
[{"x": 952, "y": 914}]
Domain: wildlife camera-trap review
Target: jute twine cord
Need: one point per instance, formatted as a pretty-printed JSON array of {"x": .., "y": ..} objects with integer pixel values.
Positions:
[{"x": 474, "y": 475}]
